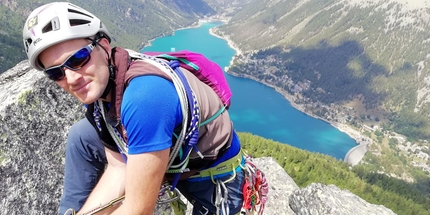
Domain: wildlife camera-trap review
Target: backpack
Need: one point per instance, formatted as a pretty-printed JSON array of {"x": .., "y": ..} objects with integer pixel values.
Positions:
[{"x": 206, "y": 71}]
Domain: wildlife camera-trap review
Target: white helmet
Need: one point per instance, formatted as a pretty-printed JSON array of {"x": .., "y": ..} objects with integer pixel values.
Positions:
[{"x": 56, "y": 22}]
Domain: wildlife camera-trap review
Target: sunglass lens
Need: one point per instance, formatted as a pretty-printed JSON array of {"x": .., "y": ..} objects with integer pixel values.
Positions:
[
  {"x": 55, "y": 74},
  {"x": 79, "y": 59},
  {"x": 74, "y": 62}
]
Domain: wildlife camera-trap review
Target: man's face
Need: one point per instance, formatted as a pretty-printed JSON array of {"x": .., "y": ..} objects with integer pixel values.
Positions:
[{"x": 87, "y": 83}]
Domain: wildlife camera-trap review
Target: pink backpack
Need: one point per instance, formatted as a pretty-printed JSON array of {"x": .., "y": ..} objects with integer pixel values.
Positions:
[{"x": 204, "y": 69}]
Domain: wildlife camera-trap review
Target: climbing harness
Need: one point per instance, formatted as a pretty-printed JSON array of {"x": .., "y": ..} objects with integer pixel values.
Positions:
[
  {"x": 188, "y": 135},
  {"x": 230, "y": 166}
]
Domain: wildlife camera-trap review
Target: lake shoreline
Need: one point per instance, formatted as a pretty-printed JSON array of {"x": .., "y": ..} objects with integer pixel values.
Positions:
[
  {"x": 360, "y": 140},
  {"x": 194, "y": 25},
  {"x": 353, "y": 156}
]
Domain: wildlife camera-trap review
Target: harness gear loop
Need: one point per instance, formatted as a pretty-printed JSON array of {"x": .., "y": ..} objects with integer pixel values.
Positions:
[{"x": 226, "y": 181}]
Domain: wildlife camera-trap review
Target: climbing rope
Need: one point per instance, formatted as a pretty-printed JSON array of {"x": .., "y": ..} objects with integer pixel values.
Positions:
[{"x": 97, "y": 209}]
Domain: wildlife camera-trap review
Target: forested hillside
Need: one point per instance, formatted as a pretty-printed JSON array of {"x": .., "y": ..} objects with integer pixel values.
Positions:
[
  {"x": 11, "y": 49},
  {"x": 369, "y": 56},
  {"x": 305, "y": 167},
  {"x": 132, "y": 23}
]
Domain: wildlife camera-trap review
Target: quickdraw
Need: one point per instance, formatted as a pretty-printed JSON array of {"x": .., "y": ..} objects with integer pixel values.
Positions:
[{"x": 255, "y": 189}]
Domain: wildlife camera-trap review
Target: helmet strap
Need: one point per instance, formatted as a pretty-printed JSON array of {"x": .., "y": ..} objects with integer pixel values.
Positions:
[{"x": 108, "y": 88}]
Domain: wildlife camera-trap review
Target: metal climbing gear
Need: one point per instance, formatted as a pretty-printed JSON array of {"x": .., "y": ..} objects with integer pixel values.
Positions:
[
  {"x": 255, "y": 189},
  {"x": 167, "y": 194},
  {"x": 221, "y": 198}
]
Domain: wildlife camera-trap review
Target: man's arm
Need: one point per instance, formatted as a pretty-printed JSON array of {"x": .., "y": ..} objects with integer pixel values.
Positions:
[
  {"x": 110, "y": 185},
  {"x": 144, "y": 176}
]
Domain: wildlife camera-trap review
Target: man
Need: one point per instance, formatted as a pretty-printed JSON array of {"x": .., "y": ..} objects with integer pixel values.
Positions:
[{"x": 123, "y": 145}]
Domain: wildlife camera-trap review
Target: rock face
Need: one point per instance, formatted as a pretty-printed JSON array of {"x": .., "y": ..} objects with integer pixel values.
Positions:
[
  {"x": 33, "y": 127},
  {"x": 35, "y": 115},
  {"x": 322, "y": 199}
]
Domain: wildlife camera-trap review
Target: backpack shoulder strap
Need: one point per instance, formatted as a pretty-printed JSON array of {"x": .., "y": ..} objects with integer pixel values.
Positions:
[
  {"x": 142, "y": 68},
  {"x": 182, "y": 87},
  {"x": 183, "y": 60}
]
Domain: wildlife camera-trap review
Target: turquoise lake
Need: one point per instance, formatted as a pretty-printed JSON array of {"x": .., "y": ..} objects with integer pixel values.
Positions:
[{"x": 257, "y": 108}]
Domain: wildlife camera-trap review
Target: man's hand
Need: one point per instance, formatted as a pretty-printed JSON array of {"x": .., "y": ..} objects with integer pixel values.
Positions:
[{"x": 110, "y": 185}]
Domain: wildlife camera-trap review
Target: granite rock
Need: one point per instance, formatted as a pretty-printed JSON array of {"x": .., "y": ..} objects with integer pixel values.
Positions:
[{"x": 35, "y": 115}]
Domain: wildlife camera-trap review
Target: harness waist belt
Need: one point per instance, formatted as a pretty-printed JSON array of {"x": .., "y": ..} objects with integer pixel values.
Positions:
[{"x": 224, "y": 167}]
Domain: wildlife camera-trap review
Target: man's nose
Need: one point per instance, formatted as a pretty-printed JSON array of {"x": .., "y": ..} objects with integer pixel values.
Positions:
[{"x": 72, "y": 75}]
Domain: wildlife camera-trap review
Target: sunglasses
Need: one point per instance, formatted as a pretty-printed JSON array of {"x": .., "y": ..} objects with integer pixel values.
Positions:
[{"x": 76, "y": 61}]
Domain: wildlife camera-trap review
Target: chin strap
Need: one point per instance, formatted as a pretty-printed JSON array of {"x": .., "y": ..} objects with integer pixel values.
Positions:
[
  {"x": 108, "y": 88},
  {"x": 112, "y": 74}
]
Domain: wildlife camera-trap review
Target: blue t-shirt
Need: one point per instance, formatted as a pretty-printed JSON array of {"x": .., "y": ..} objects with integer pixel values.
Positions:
[{"x": 150, "y": 111}]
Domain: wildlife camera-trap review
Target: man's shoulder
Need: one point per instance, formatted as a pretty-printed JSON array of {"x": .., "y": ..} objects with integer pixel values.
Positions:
[{"x": 143, "y": 68}]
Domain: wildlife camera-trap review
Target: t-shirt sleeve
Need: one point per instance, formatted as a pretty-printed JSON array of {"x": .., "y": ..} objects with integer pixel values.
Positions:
[{"x": 150, "y": 111}]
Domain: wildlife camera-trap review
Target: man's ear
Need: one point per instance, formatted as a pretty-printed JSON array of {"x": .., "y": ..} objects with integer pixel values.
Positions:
[{"x": 105, "y": 43}]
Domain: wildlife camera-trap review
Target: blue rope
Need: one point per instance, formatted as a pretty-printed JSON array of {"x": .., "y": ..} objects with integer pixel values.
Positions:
[{"x": 192, "y": 132}]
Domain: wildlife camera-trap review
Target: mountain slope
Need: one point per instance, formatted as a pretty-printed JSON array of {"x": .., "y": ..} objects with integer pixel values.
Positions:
[{"x": 372, "y": 53}]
